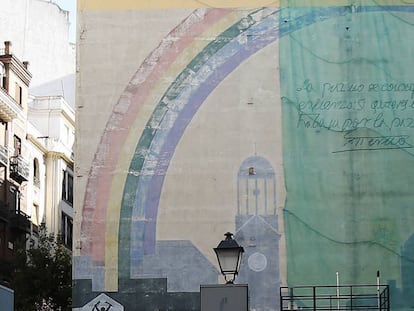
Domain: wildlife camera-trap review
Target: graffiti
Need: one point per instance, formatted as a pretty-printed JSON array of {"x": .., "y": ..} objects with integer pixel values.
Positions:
[
  {"x": 102, "y": 303},
  {"x": 99, "y": 307},
  {"x": 387, "y": 109},
  {"x": 355, "y": 142},
  {"x": 371, "y": 110}
]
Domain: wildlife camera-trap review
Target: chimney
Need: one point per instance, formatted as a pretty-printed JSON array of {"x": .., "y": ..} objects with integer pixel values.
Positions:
[
  {"x": 26, "y": 64},
  {"x": 7, "y": 47}
]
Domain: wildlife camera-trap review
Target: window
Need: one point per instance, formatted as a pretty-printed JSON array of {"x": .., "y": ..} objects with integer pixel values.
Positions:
[
  {"x": 3, "y": 145},
  {"x": 66, "y": 135},
  {"x": 36, "y": 179},
  {"x": 19, "y": 93},
  {"x": 35, "y": 215},
  {"x": 3, "y": 133},
  {"x": 17, "y": 144},
  {"x": 67, "y": 230},
  {"x": 2, "y": 75},
  {"x": 13, "y": 199},
  {"x": 67, "y": 187}
]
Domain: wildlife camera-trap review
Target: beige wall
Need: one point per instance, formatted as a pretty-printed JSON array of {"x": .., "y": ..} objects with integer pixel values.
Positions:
[
  {"x": 106, "y": 66},
  {"x": 241, "y": 118}
]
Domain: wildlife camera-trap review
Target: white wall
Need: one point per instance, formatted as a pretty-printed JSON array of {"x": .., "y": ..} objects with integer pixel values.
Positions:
[
  {"x": 39, "y": 32},
  {"x": 54, "y": 119}
]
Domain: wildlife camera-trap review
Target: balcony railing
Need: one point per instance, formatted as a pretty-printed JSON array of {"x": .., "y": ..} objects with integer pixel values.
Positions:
[
  {"x": 19, "y": 169},
  {"x": 4, "y": 213},
  {"x": 4, "y": 155},
  {"x": 36, "y": 181},
  {"x": 16, "y": 219},
  {"x": 335, "y": 298},
  {"x": 20, "y": 221}
]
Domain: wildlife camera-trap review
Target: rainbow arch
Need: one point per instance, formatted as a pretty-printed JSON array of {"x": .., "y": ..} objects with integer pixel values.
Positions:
[{"x": 117, "y": 248}]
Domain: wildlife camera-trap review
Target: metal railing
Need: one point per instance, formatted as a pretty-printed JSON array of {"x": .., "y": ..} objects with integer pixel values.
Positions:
[
  {"x": 331, "y": 298},
  {"x": 36, "y": 181},
  {"x": 19, "y": 168},
  {"x": 20, "y": 220},
  {"x": 4, "y": 155}
]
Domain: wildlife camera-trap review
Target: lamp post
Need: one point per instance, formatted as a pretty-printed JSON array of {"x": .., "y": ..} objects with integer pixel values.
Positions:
[{"x": 229, "y": 255}]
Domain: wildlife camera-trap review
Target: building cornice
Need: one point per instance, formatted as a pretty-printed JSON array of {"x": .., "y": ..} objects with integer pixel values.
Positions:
[
  {"x": 59, "y": 155},
  {"x": 48, "y": 153},
  {"x": 17, "y": 67},
  {"x": 37, "y": 143}
]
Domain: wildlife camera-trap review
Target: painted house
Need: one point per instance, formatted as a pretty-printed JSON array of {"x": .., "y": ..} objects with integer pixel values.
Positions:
[{"x": 288, "y": 123}]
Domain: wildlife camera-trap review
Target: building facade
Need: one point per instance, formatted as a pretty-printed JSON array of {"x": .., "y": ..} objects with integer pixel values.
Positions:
[
  {"x": 52, "y": 121},
  {"x": 37, "y": 137},
  {"x": 15, "y": 221},
  {"x": 288, "y": 124}
]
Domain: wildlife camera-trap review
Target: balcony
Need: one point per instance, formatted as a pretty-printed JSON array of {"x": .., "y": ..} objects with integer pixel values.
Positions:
[
  {"x": 36, "y": 182},
  {"x": 15, "y": 219},
  {"x": 19, "y": 221},
  {"x": 19, "y": 169},
  {"x": 4, "y": 213},
  {"x": 4, "y": 155},
  {"x": 9, "y": 109},
  {"x": 335, "y": 298},
  {"x": 9, "y": 196}
]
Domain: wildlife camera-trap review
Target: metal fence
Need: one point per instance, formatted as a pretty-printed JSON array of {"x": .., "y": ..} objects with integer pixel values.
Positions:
[{"x": 339, "y": 298}]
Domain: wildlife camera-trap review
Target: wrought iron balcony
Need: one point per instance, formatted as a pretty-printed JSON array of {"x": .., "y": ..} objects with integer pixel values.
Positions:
[
  {"x": 19, "y": 169},
  {"x": 36, "y": 182},
  {"x": 4, "y": 155},
  {"x": 4, "y": 213},
  {"x": 20, "y": 221},
  {"x": 15, "y": 219},
  {"x": 335, "y": 298},
  {"x": 9, "y": 196}
]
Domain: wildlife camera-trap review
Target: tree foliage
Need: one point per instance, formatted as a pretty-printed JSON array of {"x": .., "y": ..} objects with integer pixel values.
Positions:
[{"x": 43, "y": 273}]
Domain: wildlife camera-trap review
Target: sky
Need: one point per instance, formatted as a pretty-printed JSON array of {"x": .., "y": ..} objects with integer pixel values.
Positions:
[{"x": 69, "y": 5}]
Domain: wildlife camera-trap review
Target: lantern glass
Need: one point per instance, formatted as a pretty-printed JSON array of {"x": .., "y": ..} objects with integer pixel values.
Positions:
[
  {"x": 228, "y": 260},
  {"x": 229, "y": 257}
]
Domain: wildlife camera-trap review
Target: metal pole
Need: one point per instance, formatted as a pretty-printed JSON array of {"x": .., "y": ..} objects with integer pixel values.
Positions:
[
  {"x": 378, "y": 291},
  {"x": 337, "y": 289},
  {"x": 388, "y": 297}
]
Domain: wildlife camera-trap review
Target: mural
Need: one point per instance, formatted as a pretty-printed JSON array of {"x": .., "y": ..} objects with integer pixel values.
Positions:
[
  {"x": 257, "y": 230},
  {"x": 325, "y": 95},
  {"x": 347, "y": 112}
]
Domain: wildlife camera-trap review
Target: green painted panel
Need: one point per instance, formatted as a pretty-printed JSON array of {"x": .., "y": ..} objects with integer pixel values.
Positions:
[{"x": 347, "y": 87}]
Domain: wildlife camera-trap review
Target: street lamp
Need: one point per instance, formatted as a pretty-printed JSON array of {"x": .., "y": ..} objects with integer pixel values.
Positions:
[{"x": 229, "y": 255}]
